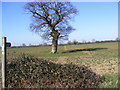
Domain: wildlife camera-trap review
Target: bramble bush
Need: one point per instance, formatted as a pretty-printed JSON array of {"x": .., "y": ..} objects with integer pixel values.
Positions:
[{"x": 27, "y": 71}]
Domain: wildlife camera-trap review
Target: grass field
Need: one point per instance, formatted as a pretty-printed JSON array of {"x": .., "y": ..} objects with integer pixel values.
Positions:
[{"x": 102, "y": 58}]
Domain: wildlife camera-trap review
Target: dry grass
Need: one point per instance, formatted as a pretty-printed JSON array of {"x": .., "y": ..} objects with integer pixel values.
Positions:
[{"x": 102, "y": 58}]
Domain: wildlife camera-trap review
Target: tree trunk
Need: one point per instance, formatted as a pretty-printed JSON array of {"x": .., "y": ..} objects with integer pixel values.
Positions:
[{"x": 54, "y": 45}]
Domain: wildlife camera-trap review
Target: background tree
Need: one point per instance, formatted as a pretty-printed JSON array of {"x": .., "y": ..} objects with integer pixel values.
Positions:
[
  {"x": 69, "y": 42},
  {"x": 23, "y": 44},
  {"x": 93, "y": 40},
  {"x": 75, "y": 42},
  {"x": 30, "y": 44},
  {"x": 50, "y": 20},
  {"x": 118, "y": 39}
]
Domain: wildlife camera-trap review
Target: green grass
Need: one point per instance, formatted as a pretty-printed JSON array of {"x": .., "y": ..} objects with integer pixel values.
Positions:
[
  {"x": 104, "y": 50},
  {"x": 111, "y": 81},
  {"x": 102, "y": 58}
]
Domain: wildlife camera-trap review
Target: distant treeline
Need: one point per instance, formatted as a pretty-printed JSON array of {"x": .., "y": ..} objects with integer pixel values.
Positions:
[
  {"x": 68, "y": 43},
  {"x": 30, "y": 46},
  {"x": 75, "y": 42}
]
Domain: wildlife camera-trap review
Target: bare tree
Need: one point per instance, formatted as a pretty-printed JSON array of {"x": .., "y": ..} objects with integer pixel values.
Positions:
[
  {"x": 75, "y": 42},
  {"x": 93, "y": 40},
  {"x": 118, "y": 39},
  {"x": 50, "y": 20},
  {"x": 23, "y": 44}
]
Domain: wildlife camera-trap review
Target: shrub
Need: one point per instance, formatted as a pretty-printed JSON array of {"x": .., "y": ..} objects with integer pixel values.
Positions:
[{"x": 30, "y": 72}]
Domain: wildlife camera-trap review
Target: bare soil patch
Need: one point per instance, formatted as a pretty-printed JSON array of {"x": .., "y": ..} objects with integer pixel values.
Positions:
[{"x": 62, "y": 60}]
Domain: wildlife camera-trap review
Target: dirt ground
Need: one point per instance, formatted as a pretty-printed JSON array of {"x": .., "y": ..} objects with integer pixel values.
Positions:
[{"x": 101, "y": 68}]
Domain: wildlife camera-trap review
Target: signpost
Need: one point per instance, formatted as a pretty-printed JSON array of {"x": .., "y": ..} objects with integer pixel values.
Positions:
[{"x": 3, "y": 62}]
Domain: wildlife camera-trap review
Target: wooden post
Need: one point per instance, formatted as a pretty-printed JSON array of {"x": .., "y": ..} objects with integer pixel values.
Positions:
[{"x": 3, "y": 62}]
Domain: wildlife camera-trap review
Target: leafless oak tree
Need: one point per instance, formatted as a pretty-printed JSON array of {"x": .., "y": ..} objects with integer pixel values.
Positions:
[{"x": 51, "y": 20}]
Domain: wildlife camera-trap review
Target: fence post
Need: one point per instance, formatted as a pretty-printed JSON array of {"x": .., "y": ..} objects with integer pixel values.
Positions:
[{"x": 3, "y": 62}]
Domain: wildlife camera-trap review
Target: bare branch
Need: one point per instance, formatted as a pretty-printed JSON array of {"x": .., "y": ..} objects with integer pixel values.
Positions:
[{"x": 51, "y": 18}]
